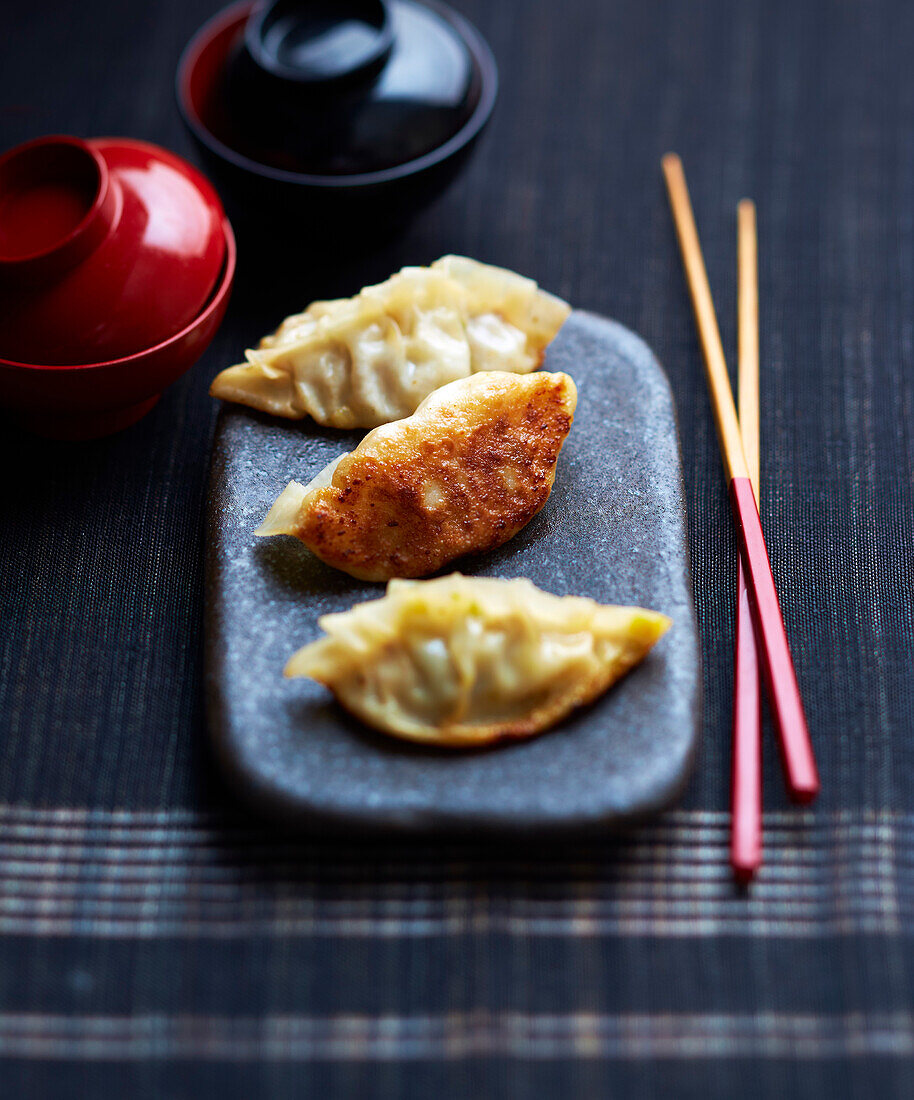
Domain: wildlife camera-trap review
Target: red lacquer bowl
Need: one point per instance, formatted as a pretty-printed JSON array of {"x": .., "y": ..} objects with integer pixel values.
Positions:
[
  {"x": 107, "y": 247},
  {"x": 116, "y": 262}
]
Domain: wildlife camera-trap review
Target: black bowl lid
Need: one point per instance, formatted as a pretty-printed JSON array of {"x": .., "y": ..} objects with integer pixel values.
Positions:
[{"x": 348, "y": 87}]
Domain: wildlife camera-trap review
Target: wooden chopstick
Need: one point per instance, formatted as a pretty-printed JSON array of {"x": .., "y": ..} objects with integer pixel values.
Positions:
[
  {"x": 746, "y": 780},
  {"x": 728, "y": 431},
  {"x": 748, "y": 360},
  {"x": 777, "y": 664}
]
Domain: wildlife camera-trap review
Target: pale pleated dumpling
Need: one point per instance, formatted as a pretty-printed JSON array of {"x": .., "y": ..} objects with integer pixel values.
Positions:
[
  {"x": 364, "y": 361},
  {"x": 464, "y": 473},
  {"x": 462, "y": 661}
]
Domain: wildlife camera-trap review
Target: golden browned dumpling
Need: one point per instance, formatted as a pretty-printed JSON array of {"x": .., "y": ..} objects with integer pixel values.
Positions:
[
  {"x": 464, "y": 473},
  {"x": 363, "y": 361},
  {"x": 463, "y": 661}
]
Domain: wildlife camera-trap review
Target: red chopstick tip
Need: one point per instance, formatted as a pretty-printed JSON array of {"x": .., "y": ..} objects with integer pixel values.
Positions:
[
  {"x": 744, "y": 873},
  {"x": 746, "y": 777},
  {"x": 797, "y": 753},
  {"x": 746, "y": 849},
  {"x": 802, "y": 773},
  {"x": 805, "y": 794}
]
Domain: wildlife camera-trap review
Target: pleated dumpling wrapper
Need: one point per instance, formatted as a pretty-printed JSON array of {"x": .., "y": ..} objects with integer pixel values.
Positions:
[
  {"x": 363, "y": 361},
  {"x": 472, "y": 465},
  {"x": 463, "y": 661}
]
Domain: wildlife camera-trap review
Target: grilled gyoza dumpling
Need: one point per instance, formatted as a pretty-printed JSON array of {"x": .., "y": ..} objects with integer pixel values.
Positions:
[
  {"x": 363, "y": 361},
  {"x": 472, "y": 465},
  {"x": 463, "y": 661}
]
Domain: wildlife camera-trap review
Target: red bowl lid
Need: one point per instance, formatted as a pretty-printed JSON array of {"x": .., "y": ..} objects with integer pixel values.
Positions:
[{"x": 107, "y": 247}]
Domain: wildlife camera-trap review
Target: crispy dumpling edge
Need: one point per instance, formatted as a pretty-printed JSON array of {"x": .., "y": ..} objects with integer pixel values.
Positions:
[{"x": 283, "y": 516}]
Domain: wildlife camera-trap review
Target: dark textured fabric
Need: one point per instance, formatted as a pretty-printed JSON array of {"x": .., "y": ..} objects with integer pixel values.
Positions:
[{"x": 156, "y": 941}]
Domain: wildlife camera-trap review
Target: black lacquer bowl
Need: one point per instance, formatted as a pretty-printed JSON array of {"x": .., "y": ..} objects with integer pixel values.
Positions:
[
  {"x": 325, "y": 194},
  {"x": 613, "y": 529}
]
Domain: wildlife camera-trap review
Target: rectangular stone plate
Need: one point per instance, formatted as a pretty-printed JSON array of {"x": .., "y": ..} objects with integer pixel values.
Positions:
[{"x": 613, "y": 529}]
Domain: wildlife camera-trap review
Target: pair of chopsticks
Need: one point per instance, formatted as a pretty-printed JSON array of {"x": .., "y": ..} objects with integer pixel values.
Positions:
[{"x": 761, "y": 640}]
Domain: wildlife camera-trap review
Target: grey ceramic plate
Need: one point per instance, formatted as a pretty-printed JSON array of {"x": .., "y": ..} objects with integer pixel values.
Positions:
[{"x": 614, "y": 529}]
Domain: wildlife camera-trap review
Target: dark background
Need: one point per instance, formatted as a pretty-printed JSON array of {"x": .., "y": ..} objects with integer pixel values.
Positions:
[{"x": 807, "y": 107}]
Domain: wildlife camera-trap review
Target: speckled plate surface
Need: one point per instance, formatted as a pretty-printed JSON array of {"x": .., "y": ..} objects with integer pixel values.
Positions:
[{"x": 613, "y": 529}]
